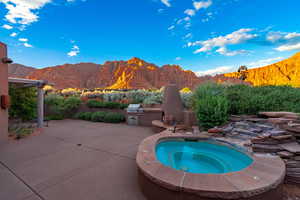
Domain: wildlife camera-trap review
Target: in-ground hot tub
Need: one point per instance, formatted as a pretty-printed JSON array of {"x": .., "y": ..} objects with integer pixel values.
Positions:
[
  {"x": 201, "y": 156},
  {"x": 173, "y": 166}
]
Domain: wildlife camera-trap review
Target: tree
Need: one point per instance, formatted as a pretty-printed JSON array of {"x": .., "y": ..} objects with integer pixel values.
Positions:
[{"x": 243, "y": 72}]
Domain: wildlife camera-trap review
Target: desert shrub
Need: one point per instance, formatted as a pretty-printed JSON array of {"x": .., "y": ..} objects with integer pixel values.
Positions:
[
  {"x": 137, "y": 96},
  {"x": 154, "y": 98},
  {"x": 205, "y": 90},
  {"x": 186, "y": 90},
  {"x": 244, "y": 99},
  {"x": 100, "y": 104},
  {"x": 23, "y": 103},
  {"x": 55, "y": 117},
  {"x": 70, "y": 104},
  {"x": 212, "y": 111},
  {"x": 70, "y": 91},
  {"x": 114, "y": 118},
  {"x": 84, "y": 116},
  {"x": 186, "y": 99},
  {"x": 251, "y": 100},
  {"x": 111, "y": 105},
  {"x": 19, "y": 132},
  {"x": 60, "y": 107},
  {"x": 108, "y": 117},
  {"x": 98, "y": 116}
]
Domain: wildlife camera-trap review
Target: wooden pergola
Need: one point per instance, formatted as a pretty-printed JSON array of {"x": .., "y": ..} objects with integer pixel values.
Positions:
[{"x": 39, "y": 84}]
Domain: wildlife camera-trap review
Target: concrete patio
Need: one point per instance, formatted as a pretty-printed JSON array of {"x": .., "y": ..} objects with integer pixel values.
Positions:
[{"x": 73, "y": 160}]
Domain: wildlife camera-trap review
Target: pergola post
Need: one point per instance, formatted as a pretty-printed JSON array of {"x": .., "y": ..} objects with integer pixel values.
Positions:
[{"x": 40, "y": 107}]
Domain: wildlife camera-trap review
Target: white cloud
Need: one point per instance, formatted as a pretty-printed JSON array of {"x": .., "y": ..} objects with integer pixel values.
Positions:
[
  {"x": 264, "y": 62},
  {"x": 189, "y": 35},
  {"x": 190, "y": 12},
  {"x": 166, "y": 2},
  {"x": 278, "y": 35},
  {"x": 274, "y": 36},
  {"x": 13, "y": 34},
  {"x": 27, "y": 45},
  {"x": 6, "y": 26},
  {"x": 171, "y": 27},
  {"x": 218, "y": 70},
  {"x": 23, "y": 11},
  {"x": 23, "y": 39},
  {"x": 292, "y": 35},
  {"x": 224, "y": 51},
  {"x": 221, "y": 42},
  {"x": 202, "y": 4},
  {"x": 178, "y": 58},
  {"x": 289, "y": 47},
  {"x": 74, "y": 51}
]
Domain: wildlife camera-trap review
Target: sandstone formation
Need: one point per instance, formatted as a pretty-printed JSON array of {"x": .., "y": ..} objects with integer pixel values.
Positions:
[
  {"x": 132, "y": 74},
  {"x": 17, "y": 70},
  {"x": 286, "y": 72}
]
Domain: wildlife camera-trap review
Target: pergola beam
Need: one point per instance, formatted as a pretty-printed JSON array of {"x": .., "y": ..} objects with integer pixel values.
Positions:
[
  {"x": 26, "y": 81},
  {"x": 40, "y": 95}
]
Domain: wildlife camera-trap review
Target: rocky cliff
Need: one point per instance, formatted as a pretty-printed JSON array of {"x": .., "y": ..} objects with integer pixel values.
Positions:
[
  {"x": 286, "y": 72},
  {"x": 132, "y": 74},
  {"x": 17, "y": 70}
]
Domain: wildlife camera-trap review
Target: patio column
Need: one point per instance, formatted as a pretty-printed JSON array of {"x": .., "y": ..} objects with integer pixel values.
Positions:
[{"x": 40, "y": 104}]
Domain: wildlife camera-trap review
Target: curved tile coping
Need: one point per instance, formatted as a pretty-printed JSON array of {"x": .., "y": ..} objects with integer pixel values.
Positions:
[{"x": 263, "y": 175}]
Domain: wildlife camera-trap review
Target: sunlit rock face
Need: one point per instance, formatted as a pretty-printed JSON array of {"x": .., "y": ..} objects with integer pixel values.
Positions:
[
  {"x": 132, "y": 74},
  {"x": 286, "y": 72}
]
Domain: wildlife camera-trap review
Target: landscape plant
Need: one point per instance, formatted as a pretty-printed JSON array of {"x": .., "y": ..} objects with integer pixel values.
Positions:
[
  {"x": 60, "y": 107},
  {"x": 212, "y": 111},
  {"x": 210, "y": 101},
  {"x": 98, "y": 116},
  {"x": 107, "y": 117},
  {"x": 111, "y": 117},
  {"x": 110, "y": 105},
  {"x": 23, "y": 103}
]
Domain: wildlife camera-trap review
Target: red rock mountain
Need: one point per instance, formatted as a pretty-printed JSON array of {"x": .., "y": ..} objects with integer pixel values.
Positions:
[
  {"x": 286, "y": 72},
  {"x": 132, "y": 74},
  {"x": 17, "y": 70}
]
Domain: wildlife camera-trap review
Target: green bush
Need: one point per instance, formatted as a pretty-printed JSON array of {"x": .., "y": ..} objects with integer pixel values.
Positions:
[
  {"x": 98, "y": 116},
  {"x": 70, "y": 104},
  {"x": 84, "y": 116},
  {"x": 23, "y": 103},
  {"x": 60, "y": 107},
  {"x": 55, "y": 117},
  {"x": 212, "y": 111},
  {"x": 251, "y": 100},
  {"x": 204, "y": 90},
  {"x": 110, "y": 105},
  {"x": 108, "y": 117},
  {"x": 210, "y": 99},
  {"x": 114, "y": 118}
]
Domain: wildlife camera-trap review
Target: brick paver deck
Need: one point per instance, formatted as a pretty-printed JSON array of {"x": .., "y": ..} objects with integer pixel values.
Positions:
[{"x": 73, "y": 160}]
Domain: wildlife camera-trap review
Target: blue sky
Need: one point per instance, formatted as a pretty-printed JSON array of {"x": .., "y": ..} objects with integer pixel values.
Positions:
[{"x": 206, "y": 36}]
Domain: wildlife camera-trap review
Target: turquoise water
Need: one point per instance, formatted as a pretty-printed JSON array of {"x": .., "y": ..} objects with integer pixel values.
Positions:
[{"x": 201, "y": 157}]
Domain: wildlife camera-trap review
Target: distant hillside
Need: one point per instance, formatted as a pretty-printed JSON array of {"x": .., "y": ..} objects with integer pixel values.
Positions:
[
  {"x": 17, "y": 70},
  {"x": 286, "y": 72},
  {"x": 132, "y": 74}
]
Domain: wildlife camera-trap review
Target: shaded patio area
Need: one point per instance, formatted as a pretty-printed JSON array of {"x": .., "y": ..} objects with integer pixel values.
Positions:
[{"x": 73, "y": 160}]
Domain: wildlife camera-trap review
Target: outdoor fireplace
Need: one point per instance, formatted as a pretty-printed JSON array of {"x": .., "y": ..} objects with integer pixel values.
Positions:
[{"x": 172, "y": 106}]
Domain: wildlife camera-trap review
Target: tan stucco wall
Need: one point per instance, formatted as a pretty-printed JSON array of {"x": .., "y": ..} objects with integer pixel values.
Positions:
[{"x": 3, "y": 91}]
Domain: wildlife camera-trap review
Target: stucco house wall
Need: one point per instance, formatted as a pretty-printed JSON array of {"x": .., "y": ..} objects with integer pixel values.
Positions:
[{"x": 3, "y": 91}]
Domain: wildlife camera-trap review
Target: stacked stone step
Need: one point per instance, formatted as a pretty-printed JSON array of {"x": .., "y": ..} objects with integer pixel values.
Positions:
[
  {"x": 285, "y": 145},
  {"x": 277, "y": 133}
]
